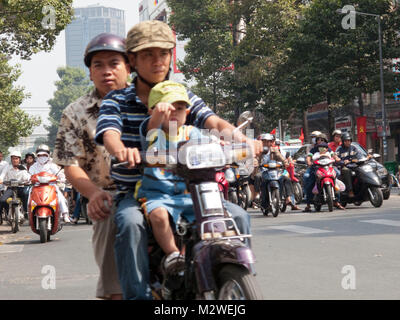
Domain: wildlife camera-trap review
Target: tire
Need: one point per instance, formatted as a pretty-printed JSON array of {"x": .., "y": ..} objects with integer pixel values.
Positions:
[
  {"x": 1, "y": 217},
  {"x": 329, "y": 196},
  {"x": 298, "y": 192},
  {"x": 43, "y": 230},
  {"x": 377, "y": 198},
  {"x": 244, "y": 198},
  {"x": 15, "y": 219},
  {"x": 233, "y": 197},
  {"x": 236, "y": 283},
  {"x": 386, "y": 194},
  {"x": 275, "y": 202},
  {"x": 247, "y": 191}
]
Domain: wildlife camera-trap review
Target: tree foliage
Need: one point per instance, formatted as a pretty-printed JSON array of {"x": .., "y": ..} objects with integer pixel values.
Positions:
[
  {"x": 30, "y": 26},
  {"x": 327, "y": 62},
  {"x": 15, "y": 123},
  {"x": 73, "y": 84},
  {"x": 286, "y": 54},
  {"x": 232, "y": 49}
]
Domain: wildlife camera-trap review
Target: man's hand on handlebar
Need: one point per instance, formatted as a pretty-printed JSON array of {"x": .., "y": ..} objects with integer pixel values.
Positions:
[{"x": 131, "y": 156}]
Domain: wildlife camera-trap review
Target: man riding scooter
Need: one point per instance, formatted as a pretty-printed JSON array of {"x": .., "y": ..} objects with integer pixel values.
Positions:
[
  {"x": 15, "y": 171},
  {"x": 347, "y": 152},
  {"x": 309, "y": 176},
  {"x": 272, "y": 153},
  {"x": 43, "y": 163}
]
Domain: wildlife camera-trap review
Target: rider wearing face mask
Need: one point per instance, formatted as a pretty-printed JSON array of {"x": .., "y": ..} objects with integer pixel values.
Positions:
[{"x": 44, "y": 163}]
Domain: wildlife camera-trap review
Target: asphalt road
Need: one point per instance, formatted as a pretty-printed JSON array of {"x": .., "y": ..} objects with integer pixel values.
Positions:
[{"x": 340, "y": 255}]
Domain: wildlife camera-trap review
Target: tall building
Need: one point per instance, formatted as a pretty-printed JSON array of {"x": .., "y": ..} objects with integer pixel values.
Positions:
[{"x": 88, "y": 23}]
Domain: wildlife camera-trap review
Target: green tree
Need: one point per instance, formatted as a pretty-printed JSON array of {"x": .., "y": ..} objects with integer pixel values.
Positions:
[
  {"x": 73, "y": 84},
  {"x": 327, "y": 62},
  {"x": 15, "y": 123},
  {"x": 30, "y": 26},
  {"x": 247, "y": 35}
]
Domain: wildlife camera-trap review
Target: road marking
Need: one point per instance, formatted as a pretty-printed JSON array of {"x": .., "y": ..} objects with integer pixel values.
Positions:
[
  {"x": 385, "y": 222},
  {"x": 11, "y": 248},
  {"x": 299, "y": 229}
]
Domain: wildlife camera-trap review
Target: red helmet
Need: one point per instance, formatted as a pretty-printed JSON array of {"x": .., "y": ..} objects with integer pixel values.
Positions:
[{"x": 104, "y": 42}]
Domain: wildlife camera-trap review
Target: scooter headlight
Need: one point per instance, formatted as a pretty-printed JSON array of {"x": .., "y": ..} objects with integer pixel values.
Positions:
[
  {"x": 203, "y": 156},
  {"x": 230, "y": 175}
]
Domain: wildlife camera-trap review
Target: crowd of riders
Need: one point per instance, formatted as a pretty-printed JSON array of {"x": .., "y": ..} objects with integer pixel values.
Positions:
[
  {"x": 340, "y": 149},
  {"x": 21, "y": 170}
]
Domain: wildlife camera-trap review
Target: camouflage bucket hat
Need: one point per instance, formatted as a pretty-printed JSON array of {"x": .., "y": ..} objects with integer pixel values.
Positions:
[
  {"x": 148, "y": 34},
  {"x": 168, "y": 91}
]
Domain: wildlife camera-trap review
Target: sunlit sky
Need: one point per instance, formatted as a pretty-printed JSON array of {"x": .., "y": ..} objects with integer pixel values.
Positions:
[{"x": 39, "y": 73}]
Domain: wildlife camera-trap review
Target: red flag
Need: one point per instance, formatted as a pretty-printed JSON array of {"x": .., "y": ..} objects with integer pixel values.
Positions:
[
  {"x": 273, "y": 131},
  {"x": 301, "y": 136},
  {"x": 361, "y": 131}
]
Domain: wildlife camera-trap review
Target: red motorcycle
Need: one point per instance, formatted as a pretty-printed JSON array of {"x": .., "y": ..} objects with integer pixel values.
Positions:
[
  {"x": 43, "y": 206},
  {"x": 223, "y": 184},
  {"x": 324, "y": 190}
]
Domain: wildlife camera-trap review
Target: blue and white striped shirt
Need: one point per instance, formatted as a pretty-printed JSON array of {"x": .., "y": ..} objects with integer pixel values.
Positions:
[{"x": 123, "y": 111}]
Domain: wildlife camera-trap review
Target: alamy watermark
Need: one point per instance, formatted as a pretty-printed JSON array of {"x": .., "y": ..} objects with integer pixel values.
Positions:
[
  {"x": 49, "y": 280},
  {"x": 49, "y": 19},
  {"x": 349, "y": 280}
]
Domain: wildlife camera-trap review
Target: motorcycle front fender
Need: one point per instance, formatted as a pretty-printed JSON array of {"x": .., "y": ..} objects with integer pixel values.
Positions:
[
  {"x": 212, "y": 256},
  {"x": 44, "y": 212},
  {"x": 273, "y": 184},
  {"x": 372, "y": 180}
]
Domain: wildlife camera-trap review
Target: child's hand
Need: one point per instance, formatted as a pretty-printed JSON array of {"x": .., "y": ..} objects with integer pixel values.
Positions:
[{"x": 160, "y": 112}]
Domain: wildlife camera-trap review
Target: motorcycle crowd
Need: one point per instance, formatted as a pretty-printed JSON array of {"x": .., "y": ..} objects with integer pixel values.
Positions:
[
  {"x": 335, "y": 174},
  {"x": 35, "y": 189}
]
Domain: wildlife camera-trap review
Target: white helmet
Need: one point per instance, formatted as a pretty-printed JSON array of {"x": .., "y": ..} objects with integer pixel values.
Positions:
[
  {"x": 267, "y": 136},
  {"x": 16, "y": 154},
  {"x": 337, "y": 131},
  {"x": 314, "y": 134}
]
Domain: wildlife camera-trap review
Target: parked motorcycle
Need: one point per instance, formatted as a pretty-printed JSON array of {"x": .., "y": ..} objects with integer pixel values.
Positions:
[
  {"x": 366, "y": 184},
  {"x": 43, "y": 206},
  {"x": 218, "y": 263},
  {"x": 274, "y": 199},
  {"x": 15, "y": 215}
]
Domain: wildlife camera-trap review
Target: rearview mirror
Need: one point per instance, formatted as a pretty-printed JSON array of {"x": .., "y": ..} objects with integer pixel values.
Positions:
[{"x": 245, "y": 116}]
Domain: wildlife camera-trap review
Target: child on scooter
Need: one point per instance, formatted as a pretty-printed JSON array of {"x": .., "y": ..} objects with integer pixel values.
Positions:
[{"x": 165, "y": 193}]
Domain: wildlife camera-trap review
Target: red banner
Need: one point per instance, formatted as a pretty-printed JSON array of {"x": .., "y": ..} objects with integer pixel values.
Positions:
[
  {"x": 362, "y": 131},
  {"x": 301, "y": 136}
]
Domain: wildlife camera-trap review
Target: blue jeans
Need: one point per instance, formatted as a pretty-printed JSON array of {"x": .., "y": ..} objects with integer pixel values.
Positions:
[
  {"x": 309, "y": 182},
  {"x": 130, "y": 248},
  {"x": 77, "y": 210},
  {"x": 131, "y": 245},
  {"x": 241, "y": 217}
]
